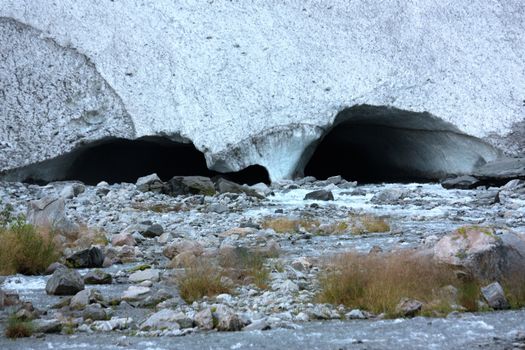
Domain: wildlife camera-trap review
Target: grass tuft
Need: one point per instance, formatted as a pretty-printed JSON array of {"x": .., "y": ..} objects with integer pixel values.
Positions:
[
  {"x": 25, "y": 250},
  {"x": 17, "y": 328},
  {"x": 285, "y": 224},
  {"x": 365, "y": 223},
  {"x": 378, "y": 282},
  {"x": 199, "y": 280}
]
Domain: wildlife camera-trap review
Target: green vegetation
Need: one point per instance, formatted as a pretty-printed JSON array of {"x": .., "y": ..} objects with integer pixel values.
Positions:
[
  {"x": 23, "y": 248},
  {"x": 199, "y": 280},
  {"x": 17, "y": 328}
]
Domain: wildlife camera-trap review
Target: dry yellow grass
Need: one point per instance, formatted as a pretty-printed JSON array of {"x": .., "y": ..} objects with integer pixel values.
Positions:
[
  {"x": 201, "y": 279},
  {"x": 25, "y": 250},
  {"x": 243, "y": 265},
  {"x": 377, "y": 282},
  {"x": 284, "y": 224},
  {"x": 364, "y": 223},
  {"x": 16, "y": 328}
]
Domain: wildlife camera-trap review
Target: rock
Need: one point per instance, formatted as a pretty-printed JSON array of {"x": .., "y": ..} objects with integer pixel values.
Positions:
[
  {"x": 50, "y": 213},
  {"x": 153, "y": 231},
  {"x": 122, "y": 239},
  {"x": 183, "y": 320},
  {"x": 70, "y": 191},
  {"x": 204, "y": 319},
  {"x": 390, "y": 196},
  {"x": 163, "y": 319},
  {"x": 257, "y": 325},
  {"x": 218, "y": 208},
  {"x": 97, "y": 277},
  {"x": 495, "y": 296},
  {"x": 288, "y": 287},
  {"x": 95, "y": 312},
  {"x": 487, "y": 197},
  {"x": 64, "y": 282},
  {"x": 262, "y": 189},
  {"x": 84, "y": 298},
  {"x": 54, "y": 266},
  {"x": 302, "y": 264},
  {"x": 226, "y": 186},
  {"x": 227, "y": 319},
  {"x": 482, "y": 253},
  {"x": 87, "y": 258},
  {"x": 464, "y": 182},
  {"x": 182, "y": 245},
  {"x": 134, "y": 293},
  {"x": 408, "y": 307},
  {"x": 501, "y": 171},
  {"x": 191, "y": 185},
  {"x": 24, "y": 315},
  {"x": 114, "y": 324},
  {"x": 46, "y": 326},
  {"x": 145, "y": 275},
  {"x": 183, "y": 259},
  {"x": 150, "y": 183},
  {"x": 320, "y": 195},
  {"x": 8, "y": 299},
  {"x": 355, "y": 314},
  {"x": 334, "y": 180}
]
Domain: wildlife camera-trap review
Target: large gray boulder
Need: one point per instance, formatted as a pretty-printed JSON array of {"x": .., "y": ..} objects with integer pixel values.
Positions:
[
  {"x": 248, "y": 85},
  {"x": 64, "y": 282},
  {"x": 87, "y": 258},
  {"x": 481, "y": 252},
  {"x": 50, "y": 213}
]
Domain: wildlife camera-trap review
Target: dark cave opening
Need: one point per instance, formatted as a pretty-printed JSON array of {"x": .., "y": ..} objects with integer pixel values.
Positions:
[
  {"x": 117, "y": 160},
  {"x": 374, "y": 144}
]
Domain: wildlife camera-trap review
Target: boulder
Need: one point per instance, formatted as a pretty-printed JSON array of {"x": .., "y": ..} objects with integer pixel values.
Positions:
[
  {"x": 122, "y": 239},
  {"x": 189, "y": 185},
  {"x": 408, "y": 307},
  {"x": 84, "y": 298},
  {"x": 226, "y": 186},
  {"x": 87, "y": 258},
  {"x": 64, "y": 282},
  {"x": 145, "y": 275},
  {"x": 163, "y": 319},
  {"x": 46, "y": 326},
  {"x": 180, "y": 246},
  {"x": 204, "y": 319},
  {"x": 464, "y": 182},
  {"x": 227, "y": 319},
  {"x": 501, "y": 171},
  {"x": 390, "y": 196},
  {"x": 153, "y": 231},
  {"x": 320, "y": 195},
  {"x": 482, "y": 253},
  {"x": 50, "y": 213},
  {"x": 115, "y": 323},
  {"x": 97, "y": 277},
  {"x": 495, "y": 296},
  {"x": 134, "y": 293},
  {"x": 95, "y": 312},
  {"x": 150, "y": 183}
]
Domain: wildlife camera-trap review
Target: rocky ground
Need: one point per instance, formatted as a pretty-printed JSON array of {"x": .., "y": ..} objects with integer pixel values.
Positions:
[{"x": 136, "y": 239}]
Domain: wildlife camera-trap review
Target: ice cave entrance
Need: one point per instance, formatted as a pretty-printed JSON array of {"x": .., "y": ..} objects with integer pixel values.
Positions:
[
  {"x": 117, "y": 160},
  {"x": 372, "y": 144}
]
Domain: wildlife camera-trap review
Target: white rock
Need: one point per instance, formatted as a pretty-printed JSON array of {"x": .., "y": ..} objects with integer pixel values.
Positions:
[
  {"x": 145, "y": 275},
  {"x": 135, "y": 293},
  {"x": 161, "y": 320},
  {"x": 114, "y": 324}
]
